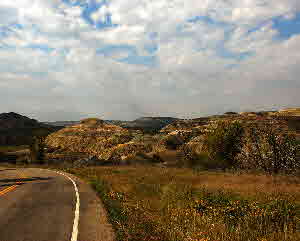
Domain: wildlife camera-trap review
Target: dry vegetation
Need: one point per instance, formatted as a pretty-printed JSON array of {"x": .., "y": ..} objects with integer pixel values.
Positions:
[
  {"x": 263, "y": 140},
  {"x": 152, "y": 203},
  {"x": 181, "y": 194}
]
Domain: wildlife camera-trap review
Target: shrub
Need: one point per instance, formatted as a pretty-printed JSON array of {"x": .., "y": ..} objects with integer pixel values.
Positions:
[
  {"x": 175, "y": 141},
  {"x": 224, "y": 142},
  {"x": 268, "y": 148},
  {"x": 37, "y": 149},
  {"x": 215, "y": 150},
  {"x": 172, "y": 142}
]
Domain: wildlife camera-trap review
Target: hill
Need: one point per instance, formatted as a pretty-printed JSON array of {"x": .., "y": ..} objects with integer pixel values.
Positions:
[
  {"x": 146, "y": 124},
  {"x": 92, "y": 137},
  {"x": 159, "y": 138},
  {"x": 16, "y": 129},
  {"x": 61, "y": 123},
  {"x": 290, "y": 112}
]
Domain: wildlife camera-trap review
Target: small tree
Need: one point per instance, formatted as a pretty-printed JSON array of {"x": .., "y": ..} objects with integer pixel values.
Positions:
[
  {"x": 37, "y": 147},
  {"x": 225, "y": 141}
]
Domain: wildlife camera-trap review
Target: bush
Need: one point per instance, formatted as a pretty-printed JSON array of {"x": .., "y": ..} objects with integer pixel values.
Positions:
[
  {"x": 175, "y": 141},
  {"x": 268, "y": 148},
  {"x": 215, "y": 150},
  {"x": 172, "y": 142},
  {"x": 37, "y": 149},
  {"x": 203, "y": 161},
  {"x": 224, "y": 142}
]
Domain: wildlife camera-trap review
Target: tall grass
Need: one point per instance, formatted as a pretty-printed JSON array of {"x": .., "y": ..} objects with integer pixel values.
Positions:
[{"x": 149, "y": 203}]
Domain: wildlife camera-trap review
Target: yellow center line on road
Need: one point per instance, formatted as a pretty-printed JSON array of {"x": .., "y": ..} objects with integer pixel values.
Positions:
[
  {"x": 6, "y": 190},
  {"x": 11, "y": 188}
]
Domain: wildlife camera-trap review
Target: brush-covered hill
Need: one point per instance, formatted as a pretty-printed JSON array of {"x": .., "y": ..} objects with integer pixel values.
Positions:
[
  {"x": 93, "y": 137},
  {"x": 144, "y": 124},
  {"x": 191, "y": 133},
  {"x": 114, "y": 143},
  {"x": 148, "y": 125},
  {"x": 16, "y": 129},
  {"x": 288, "y": 118}
]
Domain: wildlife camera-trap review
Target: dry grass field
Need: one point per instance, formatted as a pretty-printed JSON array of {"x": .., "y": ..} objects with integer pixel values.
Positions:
[{"x": 178, "y": 204}]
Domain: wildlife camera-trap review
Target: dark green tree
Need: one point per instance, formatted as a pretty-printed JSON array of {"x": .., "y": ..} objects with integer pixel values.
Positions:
[{"x": 37, "y": 147}]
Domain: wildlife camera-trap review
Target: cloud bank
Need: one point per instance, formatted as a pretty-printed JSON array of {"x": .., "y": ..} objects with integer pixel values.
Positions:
[{"x": 69, "y": 59}]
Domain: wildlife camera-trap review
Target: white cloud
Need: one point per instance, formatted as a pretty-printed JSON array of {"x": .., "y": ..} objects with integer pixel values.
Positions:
[
  {"x": 198, "y": 70},
  {"x": 243, "y": 41},
  {"x": 100, "y": 15}
]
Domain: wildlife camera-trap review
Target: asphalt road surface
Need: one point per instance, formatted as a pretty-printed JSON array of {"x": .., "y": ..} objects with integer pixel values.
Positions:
[{"x": 42, "y": 205}]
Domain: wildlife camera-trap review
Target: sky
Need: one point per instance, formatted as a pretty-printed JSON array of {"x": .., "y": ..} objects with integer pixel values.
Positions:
[{"x": 116, "y": 59}]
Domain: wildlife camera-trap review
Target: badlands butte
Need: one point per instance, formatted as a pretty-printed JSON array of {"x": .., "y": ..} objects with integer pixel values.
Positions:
[{"x": 166, "y": 141}]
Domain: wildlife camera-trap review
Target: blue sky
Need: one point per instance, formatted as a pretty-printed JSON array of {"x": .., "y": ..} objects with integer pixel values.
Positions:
[
  {"x": 287, "y": 27},
  {"x": 123, "y": 59}
]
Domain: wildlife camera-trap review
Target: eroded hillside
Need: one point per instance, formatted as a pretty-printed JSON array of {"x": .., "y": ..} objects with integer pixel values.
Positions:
[
  {"x": 94, "y": 137},
  {"x": 112, "y": 143}
]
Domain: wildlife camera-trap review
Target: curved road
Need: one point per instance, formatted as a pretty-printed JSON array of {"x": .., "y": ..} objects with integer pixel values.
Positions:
[{"x": 40, "y": 205}]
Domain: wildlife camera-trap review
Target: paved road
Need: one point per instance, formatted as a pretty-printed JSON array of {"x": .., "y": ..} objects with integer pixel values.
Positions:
[{"x": 40, "y": 205}]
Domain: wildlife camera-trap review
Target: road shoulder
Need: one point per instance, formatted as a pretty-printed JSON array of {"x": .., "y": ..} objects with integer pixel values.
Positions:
[{"x": 93, "y": 222}]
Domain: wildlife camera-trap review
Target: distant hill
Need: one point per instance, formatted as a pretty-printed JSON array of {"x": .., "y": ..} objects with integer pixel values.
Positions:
[
  {"x": 147, "y": 124},
  {"x": 13, "y": 120},
  {"x": 144, "y": 124},
  {"x": 108, "y": 140},
  {"x": 16, "y": 129},
  {"x": 62, "y": 123}
]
